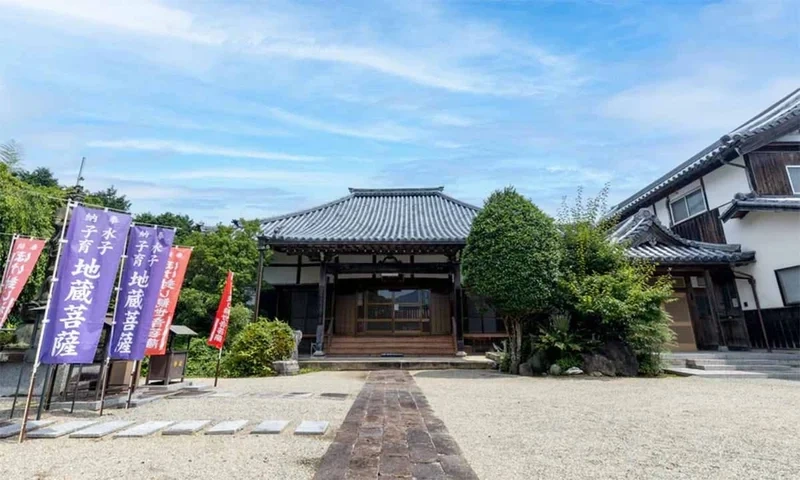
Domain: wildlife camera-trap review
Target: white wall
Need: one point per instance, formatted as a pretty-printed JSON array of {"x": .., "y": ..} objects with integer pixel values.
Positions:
[
  {"x": 775, "y": 237},
  {"x": 725, "y": 182},
  {"x": 662, "y": 212}
]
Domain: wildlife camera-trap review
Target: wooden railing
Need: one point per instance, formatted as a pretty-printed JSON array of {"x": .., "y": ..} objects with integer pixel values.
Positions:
[{"x": 782, "y": 326}]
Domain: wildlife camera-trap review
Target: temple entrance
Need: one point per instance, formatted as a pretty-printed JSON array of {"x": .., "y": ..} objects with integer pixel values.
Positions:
[{"x": 394, "y": 312}]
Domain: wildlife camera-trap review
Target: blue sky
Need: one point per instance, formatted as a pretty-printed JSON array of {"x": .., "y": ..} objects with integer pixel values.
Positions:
[{"x": 255, "y": 108}]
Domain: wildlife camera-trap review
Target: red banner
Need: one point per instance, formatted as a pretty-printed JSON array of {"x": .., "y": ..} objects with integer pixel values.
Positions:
[
  {"x": 220, "y": 328},
  {"x": 19, "y": 265},
  {"x": 167, "y": 300}
]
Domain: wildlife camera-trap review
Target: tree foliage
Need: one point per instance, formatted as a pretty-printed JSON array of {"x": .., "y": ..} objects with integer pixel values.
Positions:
[
  {"x": 183, "y": 223},
  {"x": 26, "y": 210},
  {"x": 511, "y": 260},
  {"x": 109, "y": 198},
  {"x": 39, "y": 177},
  {"x": 257, "y": 346},
  {"x": 11, "y": 154},
  {"x": 610, "y": 296}
]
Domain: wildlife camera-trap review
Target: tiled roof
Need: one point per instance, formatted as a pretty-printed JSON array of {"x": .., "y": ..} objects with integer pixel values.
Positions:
[
  {"x": 785, "y": 110},
  {"x": 648, "y": 239},
  {"x": 744, "y": 203},
  {"x": 400, "y": 215}
]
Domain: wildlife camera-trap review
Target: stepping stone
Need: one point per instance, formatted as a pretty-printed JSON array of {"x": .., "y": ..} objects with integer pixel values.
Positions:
[
  {"x": 334, "y": 396},
  {"x": 227, "y": 428},
  {"x": 100, "y": 431},
  {"x": 14, "y": 428},
  {"x": 270, "y": 427},
  {"x": 298, "y": 395},
  {"x": 143, "y": 430},
  {"x": 308, "y": 427},
  {"x": 186, "y": 427},
  {"x": 61, "y": 429}
]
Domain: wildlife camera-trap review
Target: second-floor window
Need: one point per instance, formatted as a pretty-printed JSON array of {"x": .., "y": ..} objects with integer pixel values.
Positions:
[
  {"x": 687, "y": 206},
  {"x": 794, "y": 178}
]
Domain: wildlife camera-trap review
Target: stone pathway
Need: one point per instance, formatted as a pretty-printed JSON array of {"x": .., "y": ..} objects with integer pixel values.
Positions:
[{"x": 391, "y": 432}]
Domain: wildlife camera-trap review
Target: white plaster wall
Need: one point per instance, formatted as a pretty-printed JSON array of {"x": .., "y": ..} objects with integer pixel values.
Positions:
[
  {"x": 775, "y": 237},
  {"x": 280, "y": 275},
  {"x": 725, "y": 182},
  {"x": 662, "y": 213}
]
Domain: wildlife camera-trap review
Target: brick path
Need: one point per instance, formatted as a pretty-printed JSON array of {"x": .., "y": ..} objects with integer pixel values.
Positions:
[{"x": 391, "y": 432}]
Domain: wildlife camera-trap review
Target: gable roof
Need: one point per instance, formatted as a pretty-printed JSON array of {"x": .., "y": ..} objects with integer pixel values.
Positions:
[
  {"x": 772, "y": 123},
  {"x": 649, "y": 240},
  {"x": 396, "y": 215}
]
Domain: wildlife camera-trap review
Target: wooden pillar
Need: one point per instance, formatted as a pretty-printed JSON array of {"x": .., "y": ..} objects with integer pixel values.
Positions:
[
  {"x": 712, "y": 300},
  {"x": 323, "y": 290},
  {"x": 261, "y": 248}
]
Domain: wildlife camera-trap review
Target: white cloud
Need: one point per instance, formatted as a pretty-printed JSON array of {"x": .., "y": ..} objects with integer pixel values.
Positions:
[
  {"x": 451, "y": 120},
  {"x": 283, "y": 178},
  {"x": 143, "y": 17},
  {"x": 693, "y": 104},
  {"x": 386, "y": 131},
  {"x": 196, "y": 149},
  {"x": 297, "y": 38}
]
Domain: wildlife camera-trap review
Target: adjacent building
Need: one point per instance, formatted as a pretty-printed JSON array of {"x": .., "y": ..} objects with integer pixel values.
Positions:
[{"x": 742, "y": 192}]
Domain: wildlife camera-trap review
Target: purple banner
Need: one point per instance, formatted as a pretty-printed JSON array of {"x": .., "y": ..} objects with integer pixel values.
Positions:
[
  {"x": 148, "y": 253},
  {"x": 86, "y": 274}
]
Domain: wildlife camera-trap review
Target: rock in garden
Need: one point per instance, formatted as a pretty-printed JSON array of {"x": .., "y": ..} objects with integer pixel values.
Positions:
[
  {"x": 538, "y": 362},
  {"x": 525, "y": 370},
  {"x": 574, "y": 371},
  {"x": 555, "y": 369},
  {"x": 286, "y": 367},
  {"x": 598, "y": 363},
  {"x": 623, "y": 358},
  {"x": 596, "y": 374}
]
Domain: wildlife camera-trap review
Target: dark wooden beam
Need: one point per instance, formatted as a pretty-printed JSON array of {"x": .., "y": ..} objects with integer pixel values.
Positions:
[
  {"x": 299, "y": 269},
  {"x": 376, "y": 268},
  {"x": 323, "y": 291}
]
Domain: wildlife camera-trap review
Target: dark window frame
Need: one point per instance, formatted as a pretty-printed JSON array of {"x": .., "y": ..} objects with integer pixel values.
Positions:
[
  {"x": 683, "y": 198},
  {"x": 795, "y": 188},
  {"x": 780, "y": 285}
]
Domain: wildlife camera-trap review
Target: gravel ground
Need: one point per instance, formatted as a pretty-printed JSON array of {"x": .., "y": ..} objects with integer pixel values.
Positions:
[
  {"x": 558, "y": 428},
  {"x": 285, "y": 456}
]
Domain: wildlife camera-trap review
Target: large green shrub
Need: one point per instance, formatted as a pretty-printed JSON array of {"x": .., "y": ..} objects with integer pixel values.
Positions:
[
  {"x": 258, "y": 345},
  {"x": 511, "y": 261},
  {"x": 610, "y": 296}
]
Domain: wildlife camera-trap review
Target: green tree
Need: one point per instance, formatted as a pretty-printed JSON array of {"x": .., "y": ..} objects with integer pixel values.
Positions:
[
  {"x": 610, "y": 296},
  {"x": 39, "y": 177},
  {"x": 27, "y": 210},
  {"x": 216, "y": 251},
  {"x": 511, "y": 260},
  {"x": 183, "y": 223},
  {"x": 11, "y": 154},
  {"x": 257, "y": 346},
  {"x": 109, "y": 198}
]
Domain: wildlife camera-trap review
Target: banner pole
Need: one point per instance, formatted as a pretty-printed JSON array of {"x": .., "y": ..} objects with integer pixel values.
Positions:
[
  {"x": 36, "y": 361},
  {"x": 216, "y": 375},
  {"x": 130, "y": 383},
  {"x": 8, "y": 262},
  {"x": 107, "y": 360}
]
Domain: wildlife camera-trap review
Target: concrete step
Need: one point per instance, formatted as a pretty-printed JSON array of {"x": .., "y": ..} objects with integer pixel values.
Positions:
[
  {"x": 743, "y": 368},
  {"x": 791, "y": 375},
  {"x": 742, "y": 362},
  {"x": 695, "y": 372}
]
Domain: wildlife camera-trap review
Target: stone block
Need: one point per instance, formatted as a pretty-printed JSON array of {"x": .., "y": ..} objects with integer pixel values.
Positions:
[
  {"x": 61, "y": 429},
  {"x": 143, "y": 430},
  {"x": 227, "y": 428},
  {"x": 270, "y": 427},
  {"x": 101, "y": 430},
  {"x": 286, "y": 367},
  {"x": 13, "y": 429},
  {"x": 311, "y": 427},
  {"x": 186, "y": 427}
]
